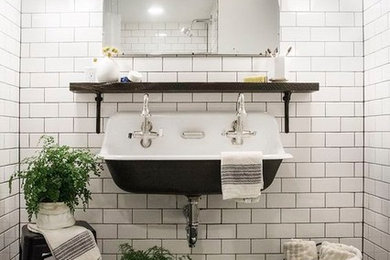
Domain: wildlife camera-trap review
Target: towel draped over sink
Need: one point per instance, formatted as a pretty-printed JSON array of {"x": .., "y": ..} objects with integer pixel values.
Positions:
[{"x": 242, "y": 176}]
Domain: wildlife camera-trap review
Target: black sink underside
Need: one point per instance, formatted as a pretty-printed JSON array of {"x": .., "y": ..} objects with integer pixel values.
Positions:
[{"x": 181, "y": 177}]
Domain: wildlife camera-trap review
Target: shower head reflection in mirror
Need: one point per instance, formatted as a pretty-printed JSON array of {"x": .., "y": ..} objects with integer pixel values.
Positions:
[{"x": 188, "y": 30}]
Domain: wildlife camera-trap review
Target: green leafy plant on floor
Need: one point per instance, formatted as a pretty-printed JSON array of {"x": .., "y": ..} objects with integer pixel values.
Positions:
[
  {"x": 57, "y": 174},
  {"x": 154, "y": 253}
]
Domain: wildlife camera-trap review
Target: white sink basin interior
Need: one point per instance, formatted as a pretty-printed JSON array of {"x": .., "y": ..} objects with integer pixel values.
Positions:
[{"x": 172, "y": 146}]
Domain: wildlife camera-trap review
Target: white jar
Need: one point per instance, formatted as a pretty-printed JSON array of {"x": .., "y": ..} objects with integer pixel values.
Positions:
[
  {"x": 54, "y": 215},
  {"x": 107, "y": 70}
]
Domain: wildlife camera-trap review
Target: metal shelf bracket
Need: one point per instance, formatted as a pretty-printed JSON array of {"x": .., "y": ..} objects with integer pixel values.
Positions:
[
  {"x": 286, "y": 99},
  {"x": 98, "y": 100}
]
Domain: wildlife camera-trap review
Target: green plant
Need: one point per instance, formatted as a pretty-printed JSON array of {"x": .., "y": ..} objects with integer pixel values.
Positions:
[
  {"x": 154, "y": 253},
  {"x": 57, "y": 174}
]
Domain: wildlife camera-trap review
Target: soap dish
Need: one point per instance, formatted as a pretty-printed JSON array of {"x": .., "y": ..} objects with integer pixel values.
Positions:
[{"x": 278, "y": 80}]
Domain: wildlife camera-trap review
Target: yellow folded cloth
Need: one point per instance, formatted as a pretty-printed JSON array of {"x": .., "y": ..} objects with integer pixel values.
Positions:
[{"x": 256, "y": 79}]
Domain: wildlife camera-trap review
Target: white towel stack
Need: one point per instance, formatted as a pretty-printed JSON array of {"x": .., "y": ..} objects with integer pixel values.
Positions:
[
  {"x": 297, "y": 249},
  {"x": 242, "y": 176},
  {"x": 333, "y": 251}
]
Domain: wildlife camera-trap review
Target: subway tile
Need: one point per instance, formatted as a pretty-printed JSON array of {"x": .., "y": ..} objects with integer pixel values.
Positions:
[
  {"x": 236, "y": 216},
  {"x": 58, "y": 6},
  {"x": 59, "y": 34},
  {"x": 310, "y": 230},
  {"x": 116, "y": 216},
  {"x": 339, "y": 230},
  {"x": 176, "y": 246},
  {"x": 161, "y": 231},
  {"x": 207, "y": 64},
  {"x": 74, "y": 19},
  {"x": 221, "y": 231},
  {"x": 177, "y": 64},
  {"x": 295, "y": 215},
  {"x": 310, "y": 200},
  {"x": 325, "y": 215},
  {"x": 192, "y": 77},
  {"x": 147, "y": 216},
  {"x": 236, "y": 64},
  {"x": 236, "y": 246},
  {"x": 132, "y": 201},
  {"x": 310, "y": 170},
  {"x": 132, "y": 231},
  {"x": 251, "y": 230},
  {"x": 331, "y": 5},
  {"x": 161, "y": 201},
  {"x": 266, "y": 246},
  {"x": 58, "y": 124},
  {"x": 88, "y": 34},
  {"x": 339, "y": 200},
  {"x": 295, "y": 5},
  {"x": 296, "y": 185}
]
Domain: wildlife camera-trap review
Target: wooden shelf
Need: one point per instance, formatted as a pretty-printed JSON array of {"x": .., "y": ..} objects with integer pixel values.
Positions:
[
  {"x": 195, "y": 87},
  {"x": 287, "y": 88}
]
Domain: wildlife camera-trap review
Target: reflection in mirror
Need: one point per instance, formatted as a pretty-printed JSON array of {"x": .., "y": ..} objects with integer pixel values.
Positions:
[{"x": 237, "y": 27}]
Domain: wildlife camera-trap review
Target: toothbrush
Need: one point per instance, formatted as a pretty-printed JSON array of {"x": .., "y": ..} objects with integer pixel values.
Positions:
[{"x": 288, "y": 51}]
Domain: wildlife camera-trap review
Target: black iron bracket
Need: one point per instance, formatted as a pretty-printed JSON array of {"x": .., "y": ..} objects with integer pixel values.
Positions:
[
  {"x": 98, "y": 100},
  {"x": 286, "y": 99}
]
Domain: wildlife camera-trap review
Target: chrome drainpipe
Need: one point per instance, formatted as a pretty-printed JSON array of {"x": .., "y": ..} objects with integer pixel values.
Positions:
[{"x": 191, "y": 212}]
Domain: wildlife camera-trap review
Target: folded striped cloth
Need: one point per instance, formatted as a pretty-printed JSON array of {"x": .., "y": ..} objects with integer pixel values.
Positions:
[
  {"x": 334, "y": 251},
  {"x": 72, "y": 243},
  {"x": 242, "y": 176},
  {"x": 298, "y": 249}
]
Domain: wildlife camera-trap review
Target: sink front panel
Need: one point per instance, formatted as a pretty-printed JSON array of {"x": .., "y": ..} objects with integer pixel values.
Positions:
[{"x": 182, "y": 177}]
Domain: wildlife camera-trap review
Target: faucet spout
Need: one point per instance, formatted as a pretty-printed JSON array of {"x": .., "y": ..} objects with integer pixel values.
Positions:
[
  {"x": 146, "y": 134},
  {"x": 241, "y": 105},
  {"x": 238, "y": 133},
  {"x": 145, "y": 106}
]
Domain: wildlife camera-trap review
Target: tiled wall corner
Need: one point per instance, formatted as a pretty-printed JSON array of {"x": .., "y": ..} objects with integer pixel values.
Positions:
[
  {"x": 9, "y": 126},
  {"x": 377, "y": 130},
  {"x": 324, "y": 178}
]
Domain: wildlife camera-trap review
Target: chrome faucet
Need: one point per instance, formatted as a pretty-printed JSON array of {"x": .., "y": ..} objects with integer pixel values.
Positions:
[
  {"x": 238, "y": 133},
  {"x": 146, "y": 134}
]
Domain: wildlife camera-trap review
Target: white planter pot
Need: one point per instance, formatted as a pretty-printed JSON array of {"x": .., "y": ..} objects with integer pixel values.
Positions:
[
  {"x": 54, "y": 216},
  {"x": 107, "y": 70}
]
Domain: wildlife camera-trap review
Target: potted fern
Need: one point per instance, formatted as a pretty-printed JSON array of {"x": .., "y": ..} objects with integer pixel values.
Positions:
[
  {"x": 55, "y": 180},
  {"x": 154, "y": 253}
]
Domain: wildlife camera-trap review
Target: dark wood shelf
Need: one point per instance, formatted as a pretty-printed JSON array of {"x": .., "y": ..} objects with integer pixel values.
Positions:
[
  {"x": 195, "y": 87},
  {"x": 287, "y": 88}
]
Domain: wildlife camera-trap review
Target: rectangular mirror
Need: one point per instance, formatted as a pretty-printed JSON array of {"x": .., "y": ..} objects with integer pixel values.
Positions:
[{"x": 223, "y": 27}]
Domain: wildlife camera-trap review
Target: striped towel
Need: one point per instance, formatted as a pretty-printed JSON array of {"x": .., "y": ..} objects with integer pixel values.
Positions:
[
  {"x": 242, "y": 176},
  {"x": 298, "y": 249},
  {"x": 72, "y": 243}
]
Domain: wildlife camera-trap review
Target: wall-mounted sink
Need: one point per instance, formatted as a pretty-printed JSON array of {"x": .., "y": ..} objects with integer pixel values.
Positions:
[{"x": 186, "y": 158}]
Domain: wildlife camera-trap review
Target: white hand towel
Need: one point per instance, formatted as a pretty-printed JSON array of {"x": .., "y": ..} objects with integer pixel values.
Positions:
[
  {"x": 297, "y": 249},
  {"x": 333, "y": 251},
  {"x": 242, "y": 176},
  {"x": 72, "y": 243}
]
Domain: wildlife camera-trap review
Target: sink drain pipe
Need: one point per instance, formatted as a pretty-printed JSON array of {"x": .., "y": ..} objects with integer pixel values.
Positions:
[{"x": 191, "y": 212}]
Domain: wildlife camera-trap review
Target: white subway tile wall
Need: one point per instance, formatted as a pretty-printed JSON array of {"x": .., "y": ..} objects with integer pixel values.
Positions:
[
  {"x": 10, "y": 14},
  {"x": 377, "y": 130},
  {"x": 317, "y": 195}
]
